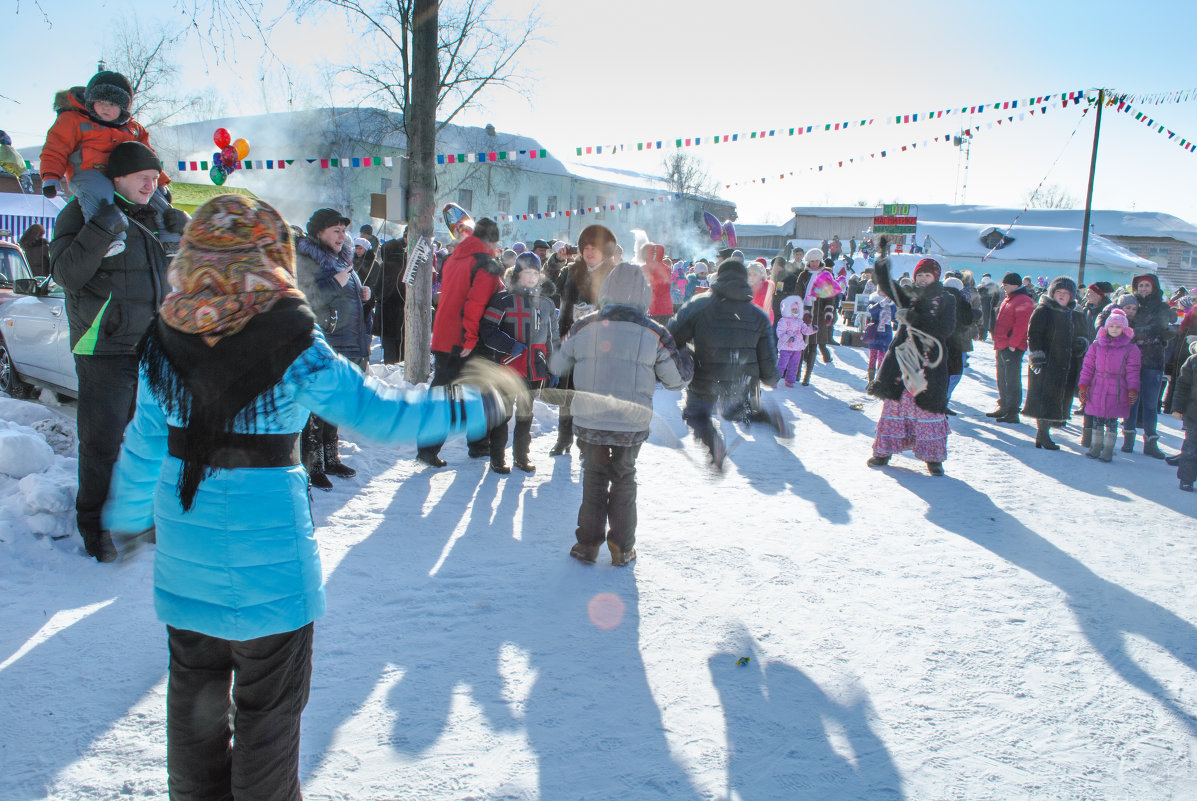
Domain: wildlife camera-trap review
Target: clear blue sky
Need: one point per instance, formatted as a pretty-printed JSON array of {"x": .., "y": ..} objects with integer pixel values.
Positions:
[{"x": 624, "y": 70}]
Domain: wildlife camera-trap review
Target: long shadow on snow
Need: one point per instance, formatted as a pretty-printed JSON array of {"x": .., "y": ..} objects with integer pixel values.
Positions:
[
  {"x": 774, "y": 473},
  {"x": 778, "y": 738},
  {"x": 447, "y": 633},
  {"x": 1106, "y": 612},
  {"x": 42, "y": 719}
]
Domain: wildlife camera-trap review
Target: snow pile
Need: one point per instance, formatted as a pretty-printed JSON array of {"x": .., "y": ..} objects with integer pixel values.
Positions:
[
  {"x": 38, "y": 473},
  {"x": 23, "y": 451}
]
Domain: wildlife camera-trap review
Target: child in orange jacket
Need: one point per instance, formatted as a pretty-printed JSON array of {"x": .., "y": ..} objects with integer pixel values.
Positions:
[{"x": 91, "y": 121}]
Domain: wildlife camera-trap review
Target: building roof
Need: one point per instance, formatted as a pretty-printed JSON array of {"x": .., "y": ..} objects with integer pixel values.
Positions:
[{"x": 1102, "y": 221}]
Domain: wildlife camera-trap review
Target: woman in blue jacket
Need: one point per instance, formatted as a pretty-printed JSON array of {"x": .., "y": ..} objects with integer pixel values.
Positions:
[{"x": 229, "y": 373}]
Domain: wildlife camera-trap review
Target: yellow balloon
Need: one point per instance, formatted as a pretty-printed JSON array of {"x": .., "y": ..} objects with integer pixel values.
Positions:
[{"x": 242, "y": 147}]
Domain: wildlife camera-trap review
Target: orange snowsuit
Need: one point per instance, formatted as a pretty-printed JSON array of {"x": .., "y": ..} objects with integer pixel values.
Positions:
[{"x": 79, "y": 141}]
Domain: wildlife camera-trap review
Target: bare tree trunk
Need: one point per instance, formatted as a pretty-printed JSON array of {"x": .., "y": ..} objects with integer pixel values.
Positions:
[{"x": 420, "y": 121}]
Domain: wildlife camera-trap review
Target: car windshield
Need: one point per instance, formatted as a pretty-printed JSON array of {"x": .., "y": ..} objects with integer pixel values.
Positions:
[{"x": 14, "y": 266}]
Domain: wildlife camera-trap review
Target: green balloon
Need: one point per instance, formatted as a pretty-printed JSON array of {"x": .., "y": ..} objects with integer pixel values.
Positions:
[{"x": 218, "y": 175}]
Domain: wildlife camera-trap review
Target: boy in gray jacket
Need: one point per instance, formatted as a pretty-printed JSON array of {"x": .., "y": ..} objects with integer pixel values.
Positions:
[{"x": 617, "y": 355}]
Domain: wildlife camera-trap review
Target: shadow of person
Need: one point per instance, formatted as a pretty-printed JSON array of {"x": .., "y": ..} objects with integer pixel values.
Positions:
[
  {"x": 592, "y": 719},
  {"x": 1108, "y": 615},
  {"x": 786, "y": 738},
  {"x": 65, "y": 690},
  {"x": 771, "y": 468}
]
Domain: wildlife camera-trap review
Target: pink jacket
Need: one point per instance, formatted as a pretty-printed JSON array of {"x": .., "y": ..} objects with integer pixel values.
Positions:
[{"x": 1110, "y": 371}]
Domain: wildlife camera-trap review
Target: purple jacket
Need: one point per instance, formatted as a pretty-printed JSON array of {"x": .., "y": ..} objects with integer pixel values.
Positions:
[{"x": 1110, "y": 371}]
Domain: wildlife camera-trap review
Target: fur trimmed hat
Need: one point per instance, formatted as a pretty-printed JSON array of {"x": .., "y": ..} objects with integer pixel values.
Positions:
[
  {"x": 109, "y": 87},
  {"x": 1063, "y": 282},
  {"x": 601, "y": 237}
]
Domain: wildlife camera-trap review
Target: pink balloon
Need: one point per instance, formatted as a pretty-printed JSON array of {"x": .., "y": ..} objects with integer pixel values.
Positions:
[{"x": 729, "y": 233}]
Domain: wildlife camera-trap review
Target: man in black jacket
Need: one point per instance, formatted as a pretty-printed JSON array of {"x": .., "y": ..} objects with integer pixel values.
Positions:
[
  {"x": 112, "y": 294},
  {"x": 734, "y": 354}
]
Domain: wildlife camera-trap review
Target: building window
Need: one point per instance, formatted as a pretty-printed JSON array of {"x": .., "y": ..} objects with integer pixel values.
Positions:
[
  {"x": 533, "y": 204},
  {"x": 581, "y": 204},
  {"x": 550, "y": 203},
  {"x": 1188, "y": 258},
  {"x": 465, "y": 198},
  {"x": 600, "y": 203},
  {"x": 504, "y": 202},
  {"x": 1159, "y": 255},
  {"x": 386, "y": 184}
]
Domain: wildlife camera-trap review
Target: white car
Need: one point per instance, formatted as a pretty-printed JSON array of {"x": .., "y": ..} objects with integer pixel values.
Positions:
[{"x": 35, "y": 340}]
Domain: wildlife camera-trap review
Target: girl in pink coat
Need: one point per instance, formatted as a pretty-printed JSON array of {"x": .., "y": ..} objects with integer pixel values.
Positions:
[
  {"x": 792, "y": 330},
  {"x": 1109, "y": 382}
]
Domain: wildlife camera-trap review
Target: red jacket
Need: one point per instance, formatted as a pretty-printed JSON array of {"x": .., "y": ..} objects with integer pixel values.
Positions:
[
  {"x": 1013, "y": 320},
  {"x": 659, "y": 278},
  {"x": 469, "y": 278},
  {"x": 78, "y": 141}
]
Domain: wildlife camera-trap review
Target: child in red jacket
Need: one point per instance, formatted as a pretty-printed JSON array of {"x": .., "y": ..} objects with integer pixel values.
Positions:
[{"x": 91, "y": 122}]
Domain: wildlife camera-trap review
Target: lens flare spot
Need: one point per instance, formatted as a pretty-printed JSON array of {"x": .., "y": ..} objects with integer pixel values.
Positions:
[{"x": 606, "y": 610}]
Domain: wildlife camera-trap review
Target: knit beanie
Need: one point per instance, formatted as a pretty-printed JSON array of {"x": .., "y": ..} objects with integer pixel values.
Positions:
[
  {"x": 519, "y": 247},
  {"x": 487, "y": 230},
  {"x": 1128, "y": 300},
  {"x": 361, "y": 243},
  {"x": 322, "y": 219},
  {"x": 1012, "y": 279},
  {"x": 599, "y": 236},
  {"x": 815, "y": 255},
  {"x": 1117, "y": 317},
  {"x": 733, "y": 266},
  {"x": 928, "y": 265},
  {"x": 954, "y": 283},
  {"x": 130, "y": 157},
  {"x": 109, "y": 87},
  {"x": 526, "y": 261},
  {"x": 559, "y": 246}
]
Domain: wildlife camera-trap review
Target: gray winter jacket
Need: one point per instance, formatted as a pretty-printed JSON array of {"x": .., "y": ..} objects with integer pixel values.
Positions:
[{"x": 617, "y": 355}]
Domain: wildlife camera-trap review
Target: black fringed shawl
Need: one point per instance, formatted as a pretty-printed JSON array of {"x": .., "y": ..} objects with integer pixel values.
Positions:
[{"x": 213, "y": 389}]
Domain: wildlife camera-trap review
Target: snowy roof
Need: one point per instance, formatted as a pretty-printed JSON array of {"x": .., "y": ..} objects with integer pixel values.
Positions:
[
  {"x": 1031, "y": 243},
  {"x": 1104, "y": 222},
  {"x": 751, "y": 229}
]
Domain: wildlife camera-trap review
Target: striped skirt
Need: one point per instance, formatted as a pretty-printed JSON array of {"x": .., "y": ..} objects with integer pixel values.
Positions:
[{"x": 903, "y": 426}]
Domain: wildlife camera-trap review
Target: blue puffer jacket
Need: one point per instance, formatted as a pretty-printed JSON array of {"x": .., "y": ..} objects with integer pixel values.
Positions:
[{"x": 243, "y": 562}]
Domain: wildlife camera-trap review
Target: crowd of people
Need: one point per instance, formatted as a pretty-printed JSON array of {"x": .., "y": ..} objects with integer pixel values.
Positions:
[{"x": 219, "y": 354}]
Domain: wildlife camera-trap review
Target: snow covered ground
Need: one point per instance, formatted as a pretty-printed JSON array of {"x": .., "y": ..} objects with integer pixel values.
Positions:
[{"x": 1022, "y": 628}]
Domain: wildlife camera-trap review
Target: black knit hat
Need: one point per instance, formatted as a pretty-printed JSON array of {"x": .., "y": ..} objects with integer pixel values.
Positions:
[
  {"x": 109, "y": 87},
  {"x": 733, "y": 266},
  {"x": 324, "y": 218},
  {"x": 1013, "y": 279},
  {"x": 130, "y": 157}
]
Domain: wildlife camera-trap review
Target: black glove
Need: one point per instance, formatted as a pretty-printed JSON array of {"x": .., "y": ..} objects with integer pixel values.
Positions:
[
  {"x": 1079, "y": 346},
  {"x": 50, "y": 187},
  {"x": 111, "y": 219},
  {"x": 175, "y": 220},
  {"x": 1038, "y": 360}
]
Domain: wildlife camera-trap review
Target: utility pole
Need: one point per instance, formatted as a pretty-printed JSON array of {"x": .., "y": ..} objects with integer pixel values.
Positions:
[
  {"x": 420, "y": 121},
  {"x": 1080, "y": 273}
]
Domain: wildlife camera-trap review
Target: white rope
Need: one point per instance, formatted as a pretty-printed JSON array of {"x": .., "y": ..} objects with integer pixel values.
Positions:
[{"x": 911, "y": 360}]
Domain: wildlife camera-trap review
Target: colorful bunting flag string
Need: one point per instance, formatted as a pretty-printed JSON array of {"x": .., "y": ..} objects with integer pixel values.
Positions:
[
  {"x": 354, "y": 162},
  {"x": 1064, "y": 98},
  {"x": 584, "y": 210},
  {"x": 1158, "y": 98},
  {"x": 1120, "y": 104},
  {"x": 909, "y": 147}
]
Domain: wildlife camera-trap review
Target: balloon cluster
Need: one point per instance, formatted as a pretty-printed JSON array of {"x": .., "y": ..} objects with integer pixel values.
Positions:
[
  {"x": 723, "y": 233},
  {"x": 227, "y": 159}
]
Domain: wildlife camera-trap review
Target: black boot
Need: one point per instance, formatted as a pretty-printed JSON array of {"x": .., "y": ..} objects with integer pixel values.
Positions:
[
  {"x": 565, "y": 437},
  {"x": 1151, "y": 446},
  {"x": 806, "y": 375},
  {"x": 497, "y": 441},
  {"x": 1043, "y": 437},
  {"x": 311, "y": 447},
  {"x": 332, "y": 457},
  {"x": 1128, "y": 441},
  {"x": 521, "y": 444}
]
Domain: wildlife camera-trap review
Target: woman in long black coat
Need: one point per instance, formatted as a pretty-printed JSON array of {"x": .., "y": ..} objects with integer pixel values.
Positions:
[
  {"x": 913, "y": 420},
  {"x": 1056, "y": 345},
  {"x": 392, "y": 300}
]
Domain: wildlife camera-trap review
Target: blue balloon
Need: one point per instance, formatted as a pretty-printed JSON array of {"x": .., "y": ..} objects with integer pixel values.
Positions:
[{"x": 216, "y": 159}]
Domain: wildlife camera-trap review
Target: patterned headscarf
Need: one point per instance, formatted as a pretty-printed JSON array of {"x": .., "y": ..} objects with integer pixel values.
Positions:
[{"x": 236, "y": 260}]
